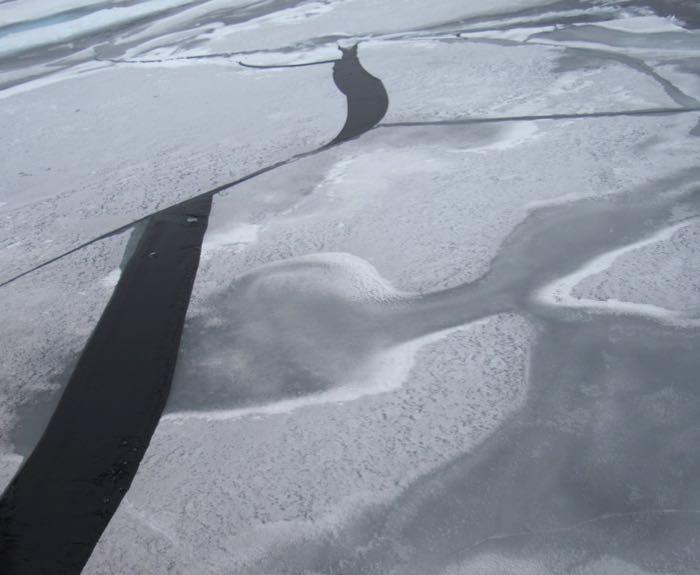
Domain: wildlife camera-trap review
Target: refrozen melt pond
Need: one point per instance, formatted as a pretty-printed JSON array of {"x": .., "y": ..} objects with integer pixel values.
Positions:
[{"x": 457, "y": 333}]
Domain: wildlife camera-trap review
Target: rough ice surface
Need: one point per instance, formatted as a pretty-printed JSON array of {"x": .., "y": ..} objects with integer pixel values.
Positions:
[
  {"x": 463, "y": 342},
  {"x": 460, "y": 79}
]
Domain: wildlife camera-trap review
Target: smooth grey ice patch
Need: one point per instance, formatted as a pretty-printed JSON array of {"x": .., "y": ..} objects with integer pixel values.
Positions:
[{"x": 313, "y": 324}]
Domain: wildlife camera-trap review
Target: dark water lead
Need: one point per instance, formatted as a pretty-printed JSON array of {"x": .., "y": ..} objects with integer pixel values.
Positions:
[
  {"x": 367, "y": 98},
  {"x": 366, "y": 95},
  {"x": 62, "y": 498}
]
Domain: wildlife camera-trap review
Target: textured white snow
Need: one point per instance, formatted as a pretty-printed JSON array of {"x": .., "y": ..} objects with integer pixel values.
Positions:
[
  {"x": 430, "y": 80},
  {"x": 140, "y": 139},
  {"x": 112, "y": 278}
]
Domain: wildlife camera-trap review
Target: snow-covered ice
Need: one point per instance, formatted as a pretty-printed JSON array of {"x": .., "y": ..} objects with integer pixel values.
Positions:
[
  {"x": 388, "y": 363},
  {"x": 77, "y": 168}
]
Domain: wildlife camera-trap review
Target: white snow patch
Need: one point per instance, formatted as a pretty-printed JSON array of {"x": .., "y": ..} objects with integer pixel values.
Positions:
[
  {"x": 239, "y": 234},
  {"x": 111, "y": 280},
  {"x": 512, "y": 34},
  {"x": 642, "y": 25}
]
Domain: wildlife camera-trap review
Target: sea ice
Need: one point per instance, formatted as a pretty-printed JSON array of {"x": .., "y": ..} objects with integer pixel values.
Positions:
[{"x": 142, "y": 139}]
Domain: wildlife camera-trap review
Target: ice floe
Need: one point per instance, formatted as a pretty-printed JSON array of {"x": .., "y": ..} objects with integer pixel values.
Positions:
[{"x": 313, "y": 391}]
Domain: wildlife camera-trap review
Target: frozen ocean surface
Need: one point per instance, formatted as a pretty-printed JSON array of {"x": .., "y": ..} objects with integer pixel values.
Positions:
[{"x": 464, "y": 341}]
